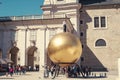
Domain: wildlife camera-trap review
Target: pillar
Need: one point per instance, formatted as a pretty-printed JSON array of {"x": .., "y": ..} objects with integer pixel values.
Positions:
[
  {"x": 43, "y": 48},
  {"x": 42, "y": 45}
]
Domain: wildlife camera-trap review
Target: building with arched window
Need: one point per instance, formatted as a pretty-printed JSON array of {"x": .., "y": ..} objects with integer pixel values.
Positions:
[
  {"x": 24, "y": 39},
  {"x": 100, "y": 43}
]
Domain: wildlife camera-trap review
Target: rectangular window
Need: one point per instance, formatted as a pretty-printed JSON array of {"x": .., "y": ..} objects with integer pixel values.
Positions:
[
  {"x": 35, "y": 59},
  {"x": 81, "y": 21},
  {"x": 33, "y": 35},
  {"x": 96, "y": 22},
  {"x": 103, "y": 22},
  {"x": 64, "y": 28},
  {"x": 14, "y": 35},
  {"x": 100, "y": 22},
  {"x": 60, "y": 0},
  {"x": 51, "y": 33}
]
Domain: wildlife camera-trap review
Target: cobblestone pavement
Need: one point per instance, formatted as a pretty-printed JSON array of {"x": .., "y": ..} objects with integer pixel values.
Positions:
[{"x": 37, "y": 76}]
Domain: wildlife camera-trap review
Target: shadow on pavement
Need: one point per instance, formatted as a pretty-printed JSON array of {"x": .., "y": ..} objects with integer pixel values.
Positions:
[
  {"x": 89, "y": 77},
  {"x": 6, "y": 78}
]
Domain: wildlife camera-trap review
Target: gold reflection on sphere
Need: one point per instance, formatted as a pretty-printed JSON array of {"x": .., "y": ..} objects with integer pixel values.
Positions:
[{"x": 64, "y": 49}]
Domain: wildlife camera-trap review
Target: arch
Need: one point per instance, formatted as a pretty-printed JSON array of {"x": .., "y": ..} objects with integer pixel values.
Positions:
[
  {"x": 30, "y": 55},
  {"x": 100, "y": 42},
  {"x": 13, "y": 52}
]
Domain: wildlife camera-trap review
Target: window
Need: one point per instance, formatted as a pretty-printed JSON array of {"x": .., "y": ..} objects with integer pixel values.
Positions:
[
  {"x": 82, "y": 59},
  {"x": 14, "y": 35},
  {"x": 51, "y": 33},
  {"x": 81, "y": 34},
  {"x": 81, "y": 22},
  {"x": 82, "y": 46},
  {"x": 100, "y": 42},
  {"x": 99, "y": 22},
  {"x": 33, "y": 35},
  {"x": 35, "y": 59},
  {"x": 60, "y": 0},
  {"x": 102, "y": 21},
  {"x": 96, "y": 22},
  {"x": 64, "y": 28}
]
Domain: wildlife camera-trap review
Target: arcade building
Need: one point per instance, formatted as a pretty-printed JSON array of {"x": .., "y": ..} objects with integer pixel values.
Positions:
[{"x": 24, "y": 39}]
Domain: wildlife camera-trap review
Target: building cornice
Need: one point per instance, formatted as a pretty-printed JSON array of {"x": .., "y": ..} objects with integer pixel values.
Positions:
[
  {"x": 34, "y": 22},
  {"x": 41, "y": 22},
  {"x": 102, "y": 6},
  {"x": 61, "y": 6}
]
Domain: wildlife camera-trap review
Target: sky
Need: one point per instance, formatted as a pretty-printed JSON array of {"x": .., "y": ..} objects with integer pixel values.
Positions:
[{"x": 20, "y": 7}]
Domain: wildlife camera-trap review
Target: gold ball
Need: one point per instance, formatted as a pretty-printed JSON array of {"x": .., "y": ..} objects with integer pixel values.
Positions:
[{"x": 64, "y": 49}]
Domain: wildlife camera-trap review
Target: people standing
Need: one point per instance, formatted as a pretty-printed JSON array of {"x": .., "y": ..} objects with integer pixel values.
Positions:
[
  {"x": 7, "y": 71},
  {"x": 11, "y": 71},
  {"x": 46, "y": 71}
]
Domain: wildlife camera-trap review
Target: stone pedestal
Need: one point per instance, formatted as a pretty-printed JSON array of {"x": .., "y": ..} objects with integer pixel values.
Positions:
[{"x": 118, "y": 69}]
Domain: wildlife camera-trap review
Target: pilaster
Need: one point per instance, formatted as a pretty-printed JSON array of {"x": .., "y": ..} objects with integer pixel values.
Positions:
[{"x": 42, "y": 45}]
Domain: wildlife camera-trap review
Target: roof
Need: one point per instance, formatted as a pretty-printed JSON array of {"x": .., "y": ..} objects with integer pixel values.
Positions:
[{"x": 99, "y": 2}]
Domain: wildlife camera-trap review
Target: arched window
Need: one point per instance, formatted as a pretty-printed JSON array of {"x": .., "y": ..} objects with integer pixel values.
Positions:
[{"x": 100, "y": 42}]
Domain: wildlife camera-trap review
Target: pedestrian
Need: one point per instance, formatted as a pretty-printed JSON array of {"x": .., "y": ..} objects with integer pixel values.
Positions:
[
  {"x": 19, "y": 70},
  {"x": 46, "y": 71},
  {"x": 11, "y": 71},
  {"x": 78, "y": 70},
  {"x": 86, "y": 71},
  {"x": 52, "y": 70},
  {"x": 89, "y": 70},
  {"x": 7, "y": 71}
]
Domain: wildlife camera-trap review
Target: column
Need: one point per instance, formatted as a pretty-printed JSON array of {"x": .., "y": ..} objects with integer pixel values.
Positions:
[
  {"x": 21, "y": 44},
  {"x": 42, "y": 46}
]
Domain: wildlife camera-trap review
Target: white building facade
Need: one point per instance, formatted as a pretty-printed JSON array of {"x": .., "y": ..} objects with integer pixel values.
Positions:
[{"x": 24, "y": 39}]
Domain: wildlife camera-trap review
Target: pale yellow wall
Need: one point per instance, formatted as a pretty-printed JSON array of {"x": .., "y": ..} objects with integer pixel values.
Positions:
[{"x": 108, "y": 55}]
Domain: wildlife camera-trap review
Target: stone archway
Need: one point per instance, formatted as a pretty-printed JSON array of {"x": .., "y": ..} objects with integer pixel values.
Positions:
[
  {"x": 13, "y": 54},
  {"x": 30, "y": 56}
]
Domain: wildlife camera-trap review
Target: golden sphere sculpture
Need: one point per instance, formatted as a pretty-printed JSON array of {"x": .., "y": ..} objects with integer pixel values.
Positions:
[{"x": 64, "y": 49}]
